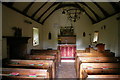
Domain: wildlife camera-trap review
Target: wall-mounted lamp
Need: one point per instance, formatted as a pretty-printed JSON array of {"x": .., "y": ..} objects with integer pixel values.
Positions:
[
  {"x": 84, "y": 34},
  {"x": 27, "y": 21},
  {"x": 49, "y": 36},
  {"x": 103, "y": 27}
]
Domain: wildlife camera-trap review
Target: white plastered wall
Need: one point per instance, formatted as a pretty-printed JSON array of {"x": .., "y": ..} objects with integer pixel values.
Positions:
[
  {"x": 109, "y": 35},
  {"x": 57, "y": 20},
  {"x": 12, "y": 18}
]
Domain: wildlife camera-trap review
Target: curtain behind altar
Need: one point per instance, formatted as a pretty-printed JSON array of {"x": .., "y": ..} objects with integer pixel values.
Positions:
[{"x": 67, "y": 51}]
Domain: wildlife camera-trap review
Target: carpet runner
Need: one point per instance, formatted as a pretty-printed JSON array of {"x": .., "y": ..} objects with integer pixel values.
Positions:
[{"x": 66, "y": 70}]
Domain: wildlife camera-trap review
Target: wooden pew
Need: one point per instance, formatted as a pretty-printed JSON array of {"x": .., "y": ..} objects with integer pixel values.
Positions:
[
  {"x": 47, "y": 52},
  {"x": 37, "y": 64},
  {"x": 99, "y": 69},
  {"x": 80, "y": 51},
  {"x": 92, "y": 50},
  {"x": 93, "y": 60},
  {"x": 24, "y": 74},
  {"x": 103, "y": 77},
  {"x": 40, "y": 57},
  {"x": 92, "y": 55}
]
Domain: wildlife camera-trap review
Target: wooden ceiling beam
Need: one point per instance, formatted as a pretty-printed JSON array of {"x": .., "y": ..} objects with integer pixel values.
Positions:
[
  {"x": 27, "y": 8},
  {"x": 58, "y": 7},
  {"x": 93, "y": 21},
  {"x": 11, "y": 7},
  {"x": 115, "y": 6},
  {"x": 47, "y": 10},
  {"x": 51, "y": 13},
  {"x": 10, "y": 3},
  {"x": 102, "y": 10},
  {"x": 107, "y": 17},
  {"x": 97, "y": 17},
  {"x": 65, "y": 5},
  {"x": 38, "y": 10}
]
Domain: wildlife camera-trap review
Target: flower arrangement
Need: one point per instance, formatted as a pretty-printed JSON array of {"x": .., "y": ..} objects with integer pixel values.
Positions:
[{"x": 59, "y": 40}]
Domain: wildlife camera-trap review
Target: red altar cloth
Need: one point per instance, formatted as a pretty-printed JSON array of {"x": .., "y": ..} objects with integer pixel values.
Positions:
[{"x": 67, "y": 50}]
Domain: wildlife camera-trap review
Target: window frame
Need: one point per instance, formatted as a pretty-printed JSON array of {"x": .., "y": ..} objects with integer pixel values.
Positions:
[{"x": 34, "y": 34}]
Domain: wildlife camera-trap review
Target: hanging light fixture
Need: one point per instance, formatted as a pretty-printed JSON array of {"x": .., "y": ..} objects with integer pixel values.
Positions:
[{"x": 73, "y": 13}]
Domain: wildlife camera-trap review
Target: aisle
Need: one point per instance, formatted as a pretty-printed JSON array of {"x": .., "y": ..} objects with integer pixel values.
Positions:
[{"x": 66, "y": 70}]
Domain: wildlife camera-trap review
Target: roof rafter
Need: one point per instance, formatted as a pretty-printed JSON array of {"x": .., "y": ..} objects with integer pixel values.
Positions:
[
  {"x": 50, "y": 13},
  {"x": 28, "y": 7},
  {"x": 11, "y": 7},
  {"x": 115, "y": 6},
  {"x": 58, "y": 7},
  {"x": 65, "y": 5},
  {"x": 97, "y": 17},
  {"x": 93, "y": 21},
  {"x": 102, "y": 10},
  {"x": 47, "y": 10},
  {"x": 10, "y": 3},
  {"x": 38, "y": 10}
]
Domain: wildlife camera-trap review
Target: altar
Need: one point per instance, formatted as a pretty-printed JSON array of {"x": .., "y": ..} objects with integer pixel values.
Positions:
[
  {"x": 67, "y": 50},
  {"x": 67, "y": 43}
]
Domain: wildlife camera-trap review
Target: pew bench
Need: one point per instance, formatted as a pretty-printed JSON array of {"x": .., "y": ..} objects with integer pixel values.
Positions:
[
  {"x": 91, "y": 55},
  {"x": 24, "y": 74},
  {"x": 93, "y": 60},
  {"x": 94, "y": 55},
  {"x": 102, "y": 77},
  {"x": 42, "y": 57},
  {"x": 47, "y": 52},
  {"x": 98, "y": 69},
  {"x": 45, "y": 56},
  {"x": 33, "y": 64}
]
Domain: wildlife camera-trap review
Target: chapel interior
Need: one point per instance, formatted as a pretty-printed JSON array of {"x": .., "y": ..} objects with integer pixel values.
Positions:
[{"x": 60, "y": 39}]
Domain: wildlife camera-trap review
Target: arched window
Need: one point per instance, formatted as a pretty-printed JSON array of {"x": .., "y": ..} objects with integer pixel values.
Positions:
[
  {"x": 35, "y": 36},
  {"x": 95, "y": 37}
]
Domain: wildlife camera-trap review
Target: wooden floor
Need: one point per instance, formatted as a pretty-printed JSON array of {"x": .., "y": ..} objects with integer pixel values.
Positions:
[{"x": 66, "y": 70}]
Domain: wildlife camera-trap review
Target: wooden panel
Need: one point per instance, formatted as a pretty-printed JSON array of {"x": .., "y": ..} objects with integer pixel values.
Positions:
[
  {"x": 101, "y": 77},
  {"x": 24, "y": 73},
  {"x": 80, "y": 51},
  {"x": 99, "y": 68},
  {"x": 40, "y": 57},
  {"x": 97, "y": 59},
  {"x": 95, "y": 54},
  {"x": 55, "y": 53},
  {"x": 100, "y": 47},
  {"x": 37, "y": 64},
  {"x": 67, "y": 40},
  {"x": 100, "y": 65},
  {"x": 80, "y": 60}
]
